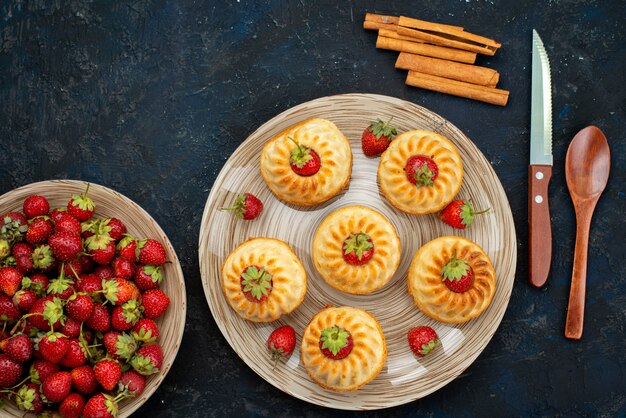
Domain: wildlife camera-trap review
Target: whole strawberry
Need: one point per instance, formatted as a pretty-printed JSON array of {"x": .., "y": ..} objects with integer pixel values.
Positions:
[
  {"x": 119, "y": 346},
  {"x": 148, "y": 359},
  {"x": 28, "y": 398},
  {"x": 24, "y": 299},
  {"x": 72, "y": 406},
  {"x": 117, "y": 228},
  {"x": 154, "y": 303},
  {"x": 79, "y": 307},
  {"x": 19, "y": 347},
  {"x": 123, "y": 268},
  {"x": 43, "y": 258},
  {"x": 246, "y": 206},
  {"x": 57, "y": 386},
  {"x": 100, "y": 320},
  {"x": 132, "y": 383},
  {"x": 148, "y": 277},
  {"x": 125, "y": 316},
  {"x": 67, "y": 223},
  {"x": 459, "y": 214},
  {"x": 44, "y": 310},
  {"x": 10, "y": 371},
  {"x": 13, "y": 226},
  {"x": 35, "y": 206},
  {"x": 303, "y": 160},
  {"x": 377, "y": 136},
  {"x": 8, "y": 311},
  {"x": 10, "y": 280},
  {"x": 40, "y": 369},
  {"x": 151, "y": 252},
  {"x": 145, "y": 331},
  {"x": 457, "y": 275},
  {"x": 336, "y": 342},
  {"x": 108, "y": 373},
  {"x": 81, "y": 206},
  {"x": 119, "y": 291},
  {"x": 101, "y": 405},
  {"x": 75, "y": 356},
  {"x": 39, "y": 230},
  {"x": 65, "y": 246},
  {"x": 104, "y": 254},
  {"x": 71, "y": 328},
  {"x": 421, "y": 170},
  {"x": 53, "y": 347},
  {"x": 422, "y": 340},
  {"x": 84, "y": 379},
  {"x": 127, "y": 248},
  {"x": 281, "y": 343}
]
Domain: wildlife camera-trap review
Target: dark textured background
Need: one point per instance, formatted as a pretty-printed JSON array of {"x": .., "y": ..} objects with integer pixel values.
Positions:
[{"x": 151, "y": 97}]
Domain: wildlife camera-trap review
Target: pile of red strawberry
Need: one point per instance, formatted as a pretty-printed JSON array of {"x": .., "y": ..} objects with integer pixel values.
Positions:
[{"x": 78, "y": 300}]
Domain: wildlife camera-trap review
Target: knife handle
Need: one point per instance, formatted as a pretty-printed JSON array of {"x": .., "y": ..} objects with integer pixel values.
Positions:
[{"x": 539, "y": 227}]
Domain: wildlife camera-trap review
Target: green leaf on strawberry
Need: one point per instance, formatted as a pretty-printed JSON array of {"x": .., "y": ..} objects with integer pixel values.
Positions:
[
  {"x": 300, "y": 155},
  {"x": 380, "y": 129},
  {"x": 256, "y": 281},
  {"x": 455, "y": 269},
  {"x": 334, "y": 339},
  {"x": 359, "y": 243}
]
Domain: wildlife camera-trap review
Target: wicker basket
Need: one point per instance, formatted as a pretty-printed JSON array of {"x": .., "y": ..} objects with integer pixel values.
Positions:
[{"x": 140, "y": 224}]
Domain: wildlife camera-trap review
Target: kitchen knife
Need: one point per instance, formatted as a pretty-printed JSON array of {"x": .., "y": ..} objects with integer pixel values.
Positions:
[{"x": 540, "y": 168}]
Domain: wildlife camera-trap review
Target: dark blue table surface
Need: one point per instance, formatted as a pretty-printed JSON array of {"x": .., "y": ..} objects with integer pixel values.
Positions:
[{"x": 151, "y": 97}]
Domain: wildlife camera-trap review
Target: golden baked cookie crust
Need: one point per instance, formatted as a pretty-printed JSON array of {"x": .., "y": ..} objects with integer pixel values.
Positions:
[
  {"x": 404, "y": 195},
  {"x": 288, "y": 277},
  {"x": 430, "y": 293},
  {"x": 335, "y": 154},
  {"x": 327, "y": 250},
  {"x": 364, "y": 362}
]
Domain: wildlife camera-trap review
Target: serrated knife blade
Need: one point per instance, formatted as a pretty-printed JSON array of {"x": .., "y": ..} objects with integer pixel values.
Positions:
[
  {"x": 540, "y": 168},
  {"x": 541, "y": 106}
]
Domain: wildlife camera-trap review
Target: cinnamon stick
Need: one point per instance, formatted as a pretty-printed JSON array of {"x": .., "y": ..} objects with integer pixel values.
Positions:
[
  {"x": 424, "y": 49},
  {"x": 447, "y": 30},
  {"x": 372, "y": 25},
  {"x": 447, "y": 40},
  {"x": 448, "y": 69},
  {"x": 458, "y": 88},
  {"x": 373, "y": 17},
  {"x": 388, "y": 33}
]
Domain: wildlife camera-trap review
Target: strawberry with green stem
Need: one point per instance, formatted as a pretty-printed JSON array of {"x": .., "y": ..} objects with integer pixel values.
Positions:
[
  {"x": 358, "y": 249},
  {"x": 28, "y": 398},
  {"x": 460, "y": 214},
  {"x": 108, "y": 372},
  {"x": 145, "y": 331},
  {"x": 377, "y": 137},
  {"x": 281, "y": 343},
  {"x": 421, "y": 170},
  {"x": 103, "y": 405},
  {"x": 81, "y": 206},
  {"x": 147, "y": 276},
  {"x": 256, "y": 284},
  {"x": 13, "y": 226},
  {"x": 148, "y": 359},
  {"x": 422, "y": 340},
  {"x": 457, "y": 275},
  {"x": 336, "y": 343},
  {"x": 303, "y": 160},
  {"x": 246, "y": 206}
]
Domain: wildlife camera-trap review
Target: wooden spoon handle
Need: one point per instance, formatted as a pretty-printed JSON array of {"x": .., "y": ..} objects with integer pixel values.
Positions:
[
  {"x": 539, "y": 227},
  {"x": 576, "y": 307}
]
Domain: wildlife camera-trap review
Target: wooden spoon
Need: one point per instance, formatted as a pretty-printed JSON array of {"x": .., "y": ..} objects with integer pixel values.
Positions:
[{"x": 587, "y": 166}]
